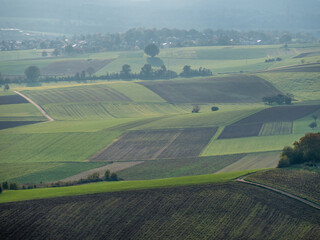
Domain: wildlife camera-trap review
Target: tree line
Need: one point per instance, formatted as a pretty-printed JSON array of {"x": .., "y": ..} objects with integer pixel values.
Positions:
[
  {"x": 147, "y": 72},
  {"x": 94, "y": 177}
]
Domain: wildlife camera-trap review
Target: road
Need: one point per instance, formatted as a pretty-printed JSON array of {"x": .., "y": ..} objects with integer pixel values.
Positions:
[
  {"x": 314, "y": 205},
  {"x": 44, "y": 113}
]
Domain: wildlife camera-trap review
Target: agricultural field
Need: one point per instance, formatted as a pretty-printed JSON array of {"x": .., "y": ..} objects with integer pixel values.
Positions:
[
  {"x": 225, "y": 210},
  {"x": 71, "y": 67},
  {"x": 238, "y": 88},
  {"x": 153, "y": 144},
  {"x": 276, "y": 128},
  {"x": 12, "y": 99},
  {"x": 239, "y": 131},
  {"x": 164, "y": 168},
  {"x": 304, "y": 183}
]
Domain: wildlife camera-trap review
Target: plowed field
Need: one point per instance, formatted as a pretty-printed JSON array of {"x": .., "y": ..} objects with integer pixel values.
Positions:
[
  {"x": 240, "y": 88},
  {"x": 212, "y": 211},
  {"x": 144, "y": 145},
  {"x": 12, "y": 99}
]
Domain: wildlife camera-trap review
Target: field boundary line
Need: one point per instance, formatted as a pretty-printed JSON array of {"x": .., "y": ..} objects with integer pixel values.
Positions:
[
  {"x": 290, "y": 195},
  {"x": 44, "y": 113}
]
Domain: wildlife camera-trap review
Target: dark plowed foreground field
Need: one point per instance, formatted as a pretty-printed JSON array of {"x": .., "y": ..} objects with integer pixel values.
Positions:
[
  {"x": 240, "y": 88},
  {"x": 12, "y": 99},
  {"x": 155, "y": 144},
  {"x": 216, "y": 211}
]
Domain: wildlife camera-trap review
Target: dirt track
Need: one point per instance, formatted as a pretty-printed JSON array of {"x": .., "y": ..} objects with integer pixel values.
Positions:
[
  {"x": 37, "y": 106},
  {"x": 314, "y": 205}
]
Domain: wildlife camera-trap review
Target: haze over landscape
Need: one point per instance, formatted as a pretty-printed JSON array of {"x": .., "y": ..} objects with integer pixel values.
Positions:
[{"x": 158, "y": 119}]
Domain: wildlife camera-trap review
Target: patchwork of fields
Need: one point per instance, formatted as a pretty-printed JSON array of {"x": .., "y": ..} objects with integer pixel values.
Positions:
[{"x": 151, "y": 121}]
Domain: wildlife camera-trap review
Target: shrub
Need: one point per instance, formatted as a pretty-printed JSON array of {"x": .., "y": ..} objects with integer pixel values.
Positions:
[
  {"x": 5, "y": 185},
  {"x": 114, "y": 177},
  {"x": 0, "y": 189},
  {"x": 214, "y": 109},
  {"x": 107, "y": 175}
]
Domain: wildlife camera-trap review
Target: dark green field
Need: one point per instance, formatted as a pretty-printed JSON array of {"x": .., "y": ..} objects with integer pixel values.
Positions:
[{"x": 214, "y": 211}]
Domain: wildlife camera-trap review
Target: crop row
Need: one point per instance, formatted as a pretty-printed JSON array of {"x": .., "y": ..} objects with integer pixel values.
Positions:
[
  {"x": 174, "y": 143},
  {"x": 241, "y": 88},
  {"x": 219, "y": 211},
  {"x": 93, "y": 93}
]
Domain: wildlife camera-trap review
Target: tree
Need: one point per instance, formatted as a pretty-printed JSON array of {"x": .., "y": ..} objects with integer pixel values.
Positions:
[
  {"x": 44, "y": 54},
  {"x": 14, "y": 186},
  {"x": 114, "y": 177},
  {"x": 151, "y": 50},
  {"x": 5, "y": 185},
  {"x": 315, "y": 117},
  {"x": 56, "y": 52},
  {"x": 32, "y": 73},
  {"x": 196, "y": 109},
  {"x": 107, "y": 175},
  {"x": 214, "y": 109},
  {"x": 186, "y": 72},
  {"x": 90, "y": 71},
  {"x": 0, "y": 188},
  {"x": 6, "y": 87},
  {"x": 305, "y": 150},
  {"x": 313, "y": 125},
  {"x": 126, "y": 71},
  {"x": 146, "y": 72}
]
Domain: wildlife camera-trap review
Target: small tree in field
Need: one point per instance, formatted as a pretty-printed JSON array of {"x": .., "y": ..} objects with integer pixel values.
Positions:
[
  {"x": 151, "y": 50},
  {"x": 6, "y": 87},
  {"x": 313, "y": 125},
  {"x": 196, "y": 109},
  {"x": 114, "y": 177},
  {"x": 32, "y": 73},
  {"x": 0, "y": 188}
]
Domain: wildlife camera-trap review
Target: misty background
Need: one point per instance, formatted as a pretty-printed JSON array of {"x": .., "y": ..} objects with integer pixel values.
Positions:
[{"x": 91, "y": 16}]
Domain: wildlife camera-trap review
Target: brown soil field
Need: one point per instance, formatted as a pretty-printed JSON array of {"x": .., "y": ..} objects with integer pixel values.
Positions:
[
  {"x": 154, "y": 144},
  {"x": 276, "y": 128},
  {"x": 12, "y": 99},
  {"x": 11, "y": 124},
  {"x": 239, "y": 131},
  {"x": 280, "y": 114},
  {"x": 213, "y": 211},
  {"x": 71, "y": 67},
  {"x": 238, "y": 88}
]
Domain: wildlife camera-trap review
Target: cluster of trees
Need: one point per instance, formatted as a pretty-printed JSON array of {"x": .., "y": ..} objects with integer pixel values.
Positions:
[
  {"x": 305, "y": 150},
  {"x": 278, "y": 59},
  {"x": 137, "y": 38},
  {"x": 8, "y": 186},
  {"x": 279, "y": 99}
]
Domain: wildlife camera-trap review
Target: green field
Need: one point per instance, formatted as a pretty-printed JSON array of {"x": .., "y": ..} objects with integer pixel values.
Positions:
[
  {"x": 20, "y": 112},
  {"x": 53, "y": 147},
  {"x": 12, "y": 196},
  {"x": 165, "y": 168}
]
